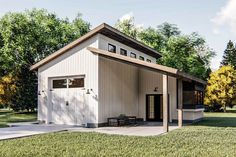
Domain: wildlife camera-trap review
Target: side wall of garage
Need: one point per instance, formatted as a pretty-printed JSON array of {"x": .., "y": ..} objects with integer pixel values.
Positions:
[{"x": 77, "y": 61}]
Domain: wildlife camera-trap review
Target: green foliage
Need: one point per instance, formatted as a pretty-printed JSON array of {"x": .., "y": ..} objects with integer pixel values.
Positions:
[
  {"x": 168, "y": 30},
  {"x": 79, "y": 26},
  {"x": 188, "y": 53},
  {"x": 28, "y": 37},
  {"x": 25, "y": 97},
  {"x": 153, "y": 38},
  {"x": 32, "y": 35},
  {"x": 229, "y": 57},
  {"x": 221, "y": 87},
  {"x": 213, "y": 108},
  {"x": 2, "y": 106},
  {"x": 128, "y": 27},
  {"x": 7, "y": 90},
  {"x": 204, "y": 139}
]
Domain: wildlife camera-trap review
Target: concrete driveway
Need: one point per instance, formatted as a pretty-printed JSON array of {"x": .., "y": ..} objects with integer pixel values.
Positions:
[
  {"x": 28, "y": 129},
  {"x": 25, "y": 130}
]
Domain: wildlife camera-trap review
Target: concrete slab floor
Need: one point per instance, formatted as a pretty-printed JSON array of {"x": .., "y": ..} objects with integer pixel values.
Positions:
[
  {"x": 29, "y": 129},
  {"x": 130, "y": 131}
]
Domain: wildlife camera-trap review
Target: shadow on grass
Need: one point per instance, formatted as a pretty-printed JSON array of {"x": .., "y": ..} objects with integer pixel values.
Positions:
[
  {"x": 217, "y": 122},
  {"x": 231, "y": 111},
  {"x": 4, "y": 112},
  {"x": 26, "y": 113},
  {"x": 3, "y": 125},
  {"x": 14, "y": 117}
]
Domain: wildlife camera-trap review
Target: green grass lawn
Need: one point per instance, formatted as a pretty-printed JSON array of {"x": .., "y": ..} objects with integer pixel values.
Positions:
[
  {"x": 214, "y": 136},
  {"x": 8, "y": 116}
]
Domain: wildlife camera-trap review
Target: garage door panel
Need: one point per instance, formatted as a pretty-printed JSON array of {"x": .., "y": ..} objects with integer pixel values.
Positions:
[
  {"x": 76, "y": 98},
  {"x": 58, "y": 105},
  {"x": 68, "y": 101}
]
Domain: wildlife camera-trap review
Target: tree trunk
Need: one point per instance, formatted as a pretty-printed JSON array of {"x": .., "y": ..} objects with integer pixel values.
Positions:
[{"x": 224, "y": 108}]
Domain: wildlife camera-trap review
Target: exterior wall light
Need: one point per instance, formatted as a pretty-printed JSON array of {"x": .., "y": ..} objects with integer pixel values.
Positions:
[
  {"x": 155, "y": 89},
  {"x": 39, "y": 93},
  {"x": 88, "y": 92}
]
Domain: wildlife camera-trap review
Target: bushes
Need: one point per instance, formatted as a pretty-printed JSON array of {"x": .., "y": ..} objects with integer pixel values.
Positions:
[
  {"x": 2, "y": 106},
  {"x": 213, "y": 108}
]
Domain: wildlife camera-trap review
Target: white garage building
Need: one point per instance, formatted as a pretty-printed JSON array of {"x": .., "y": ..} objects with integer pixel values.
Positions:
[{"x": 106, "y": 73}]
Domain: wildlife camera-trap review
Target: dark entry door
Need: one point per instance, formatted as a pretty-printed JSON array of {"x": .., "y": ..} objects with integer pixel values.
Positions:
[{"x": 154, "y": 107}]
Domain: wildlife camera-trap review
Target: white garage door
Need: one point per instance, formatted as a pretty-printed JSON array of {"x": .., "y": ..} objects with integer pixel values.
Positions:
[{"x": 67, "y": 100}]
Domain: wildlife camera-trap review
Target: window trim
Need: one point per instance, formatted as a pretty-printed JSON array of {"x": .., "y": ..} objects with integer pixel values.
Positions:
[
  {"x": 64, "y": 78},
  {"x": 132, "y": 53},
  {"x": 68, "y": 86},
  {"x": 67, "y": 81},
  {"x": 121, "y": 49},
  {"x": 196, "y": 97},
  {"x": 112, "y": 46},
  {"x": 143, "y": 59}
]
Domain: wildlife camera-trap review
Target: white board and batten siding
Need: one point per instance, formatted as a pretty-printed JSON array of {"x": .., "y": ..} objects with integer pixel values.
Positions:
[
  {"x": 118, "y": 83},
  {"x": 104, "y": 41},
  {"x": 76, "y": 62},
  {"x": 123, "y": 87},
  {"x": 148, "y": 81},
  {"x": 118, "y": 89}
]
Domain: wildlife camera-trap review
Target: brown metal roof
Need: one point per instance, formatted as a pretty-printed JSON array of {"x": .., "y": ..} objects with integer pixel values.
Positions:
[
  {"x": 108, "y": 31},
  {"x": 152, "y": 66}
]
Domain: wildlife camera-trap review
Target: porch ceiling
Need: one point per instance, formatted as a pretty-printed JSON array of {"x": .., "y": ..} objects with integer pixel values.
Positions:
[{"x": 151, "y": 66}]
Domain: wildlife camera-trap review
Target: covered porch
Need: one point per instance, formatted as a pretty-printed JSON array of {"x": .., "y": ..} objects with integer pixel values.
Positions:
[{"x": 141, "y": 79}]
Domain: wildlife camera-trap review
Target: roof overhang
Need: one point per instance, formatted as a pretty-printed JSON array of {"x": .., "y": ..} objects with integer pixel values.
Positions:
[
  {"x": 108, "y": 31},
  {"x": 151, "y": 66},
  {"x": 121, "y": 37}
]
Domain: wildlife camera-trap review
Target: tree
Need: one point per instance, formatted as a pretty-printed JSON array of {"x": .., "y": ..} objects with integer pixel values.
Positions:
[
  {"x": 188, "y": 53},
  {"x": 229, "y": 57},
  {"x": 168, "y": 29},
  {"x": 26, "y": 38},
  {"x": 79, "y": 26},
  {"x": 25, "y": 97},
  {"x": 221, "y": 87},
  {"x": 153, "y": 38},
  {"x": 128, "y": 27},
  {"x": 1, "y": 59},
  {"x": 7, "y": 90}
]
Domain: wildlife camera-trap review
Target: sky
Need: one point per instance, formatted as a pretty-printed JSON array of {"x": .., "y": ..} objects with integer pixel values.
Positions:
[{"x": 215, "y": 20}]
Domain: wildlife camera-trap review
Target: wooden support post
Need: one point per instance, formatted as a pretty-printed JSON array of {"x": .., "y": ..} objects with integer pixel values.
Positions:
[
  {"x": 180, "y": 102},
  {"x": 165, "y": 103}
]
